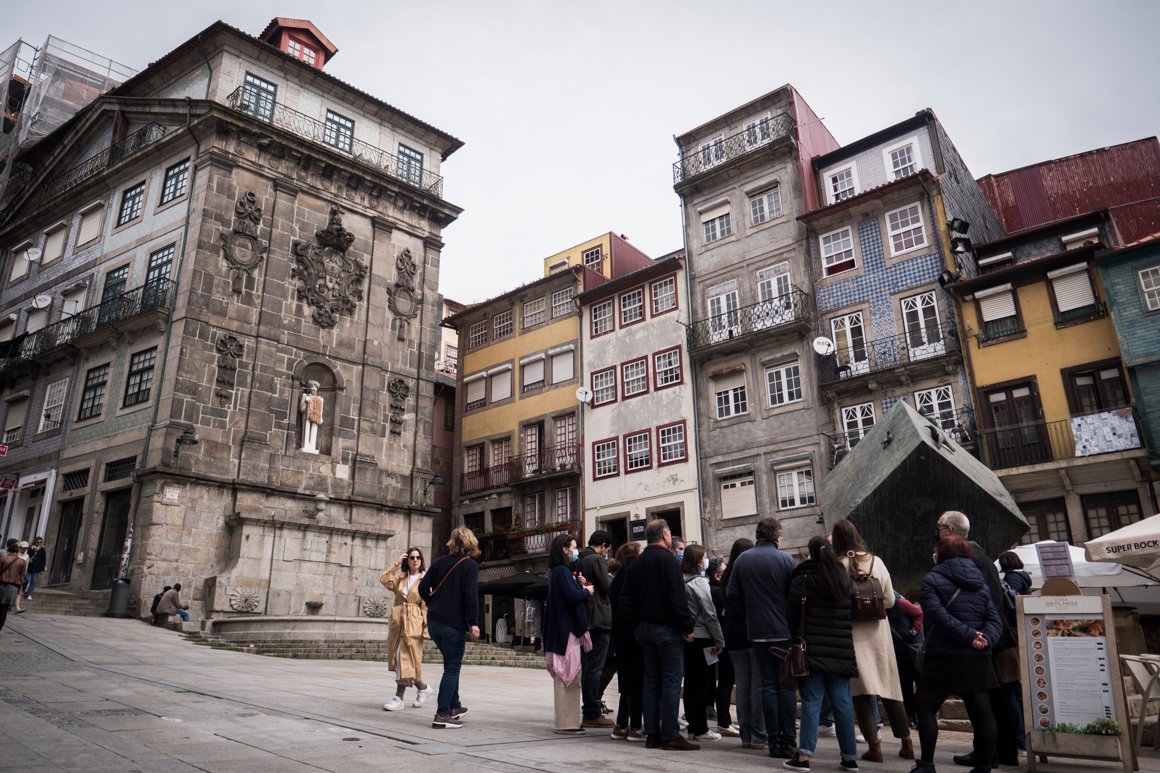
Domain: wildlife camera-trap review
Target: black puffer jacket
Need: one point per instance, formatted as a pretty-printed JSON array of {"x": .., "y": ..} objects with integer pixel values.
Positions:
[
  {"x": 828, "y": 634},
  {"x": 950, "y": 630}
]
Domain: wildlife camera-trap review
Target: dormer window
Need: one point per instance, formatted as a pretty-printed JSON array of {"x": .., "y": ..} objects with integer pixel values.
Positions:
[
  {"x": 843, "y": 184},
  {"x": 996, "y": 262},
  {"x": 299, "y": 50},
  {"x": 1081, "y": 239}
]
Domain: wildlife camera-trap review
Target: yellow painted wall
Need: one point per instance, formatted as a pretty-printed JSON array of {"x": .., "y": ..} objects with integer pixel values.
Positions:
[{"x": 574, "y": 255}]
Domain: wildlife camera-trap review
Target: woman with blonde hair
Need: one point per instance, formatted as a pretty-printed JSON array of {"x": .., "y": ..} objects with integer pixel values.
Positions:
[
  {"x": 874, "y": 648},
  {"x": 451, "y": 591},
  {"x": 408, "y": 624}
]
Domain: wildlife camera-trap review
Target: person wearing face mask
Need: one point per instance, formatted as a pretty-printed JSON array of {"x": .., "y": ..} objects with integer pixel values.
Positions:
[
  {"x": 707, "y": 635},
  {"x": 566, "y": 632},
  {"x": 593, "y": 564},
  {"x": 678, "y": 548}
]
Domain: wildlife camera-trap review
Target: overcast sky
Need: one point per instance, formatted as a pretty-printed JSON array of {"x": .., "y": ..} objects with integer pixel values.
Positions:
[{"x": 568, "y": 110}]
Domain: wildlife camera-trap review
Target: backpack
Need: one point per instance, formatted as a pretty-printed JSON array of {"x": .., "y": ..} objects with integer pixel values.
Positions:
[
  {"x": 1010, "y": 606},
  {"x": 868, "y": 603}
]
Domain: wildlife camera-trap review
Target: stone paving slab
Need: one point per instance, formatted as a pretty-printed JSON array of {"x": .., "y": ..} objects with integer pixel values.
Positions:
[{"x": 95, "y": 694}]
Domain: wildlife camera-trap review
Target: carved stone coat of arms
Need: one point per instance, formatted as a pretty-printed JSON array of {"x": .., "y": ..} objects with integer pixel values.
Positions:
[{"x": 332, "y": 281}]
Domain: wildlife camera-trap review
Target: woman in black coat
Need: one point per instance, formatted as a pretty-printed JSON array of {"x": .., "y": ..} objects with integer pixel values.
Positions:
[
  {"x": 819, "y": 616},
  {"x": 960, "y": 623}
]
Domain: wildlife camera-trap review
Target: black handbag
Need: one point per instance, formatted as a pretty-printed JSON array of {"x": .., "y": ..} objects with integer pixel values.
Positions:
[
  {"x": 920, "y": 656},
  {"x": 793, "y": 664}
]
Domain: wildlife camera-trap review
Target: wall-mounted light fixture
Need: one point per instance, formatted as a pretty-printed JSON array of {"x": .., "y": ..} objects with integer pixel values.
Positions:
[
  {"x": 947, "y": 277},
  {"x": 435, "y": 480},
  {"x": 187, "y": 438}
]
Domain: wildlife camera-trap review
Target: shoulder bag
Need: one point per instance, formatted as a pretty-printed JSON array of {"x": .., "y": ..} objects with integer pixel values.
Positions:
[
  {"x": 793, "y": 664},
  {"x": 446, "y": 574},
  {"x": 920, "y": 656}
]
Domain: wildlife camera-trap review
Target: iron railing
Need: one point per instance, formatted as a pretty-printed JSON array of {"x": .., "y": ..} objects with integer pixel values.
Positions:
[
  {"x": 1037, "y": 442},
  {"x": 766, "y": 315},
  {"x": 958, "y": 425},
  {"x": 720, "y": 151},
  {"x": 101, "y": 161},
  {"x": 155, "y": 295},
  {"x": 891, "y": 352},
  {"x": 537, "y": 541},
  {"x": 546, "y": 461},
  {"x": 410, "y": 172}
]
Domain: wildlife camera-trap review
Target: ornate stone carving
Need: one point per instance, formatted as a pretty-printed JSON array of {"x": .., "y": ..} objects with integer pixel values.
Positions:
[
  {"x": 376, "y": 606},
  {"x": 402, "y": 298},
  {"x": 244, "y": 600},
  {"x": 229, "y": 350},
  {"x": 242, "y": 248},
  {"x": 398, "y": 391},
  {"x": 332, "y": 281}
]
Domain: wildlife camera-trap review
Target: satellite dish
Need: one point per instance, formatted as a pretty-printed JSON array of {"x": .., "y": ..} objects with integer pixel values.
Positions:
[
  {"x": 584, "y": 395},
  {"x": 42, "y": 301},
  {"x": 823, "y": 346}
]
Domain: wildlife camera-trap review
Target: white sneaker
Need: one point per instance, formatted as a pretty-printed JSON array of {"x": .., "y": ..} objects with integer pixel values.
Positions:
[
  {"x": 710, "y": 735},
  {"x": 394, "y": 704},
  {"x": 860, "y": 738},
  {"x": 421, "y": 697},
  {"x": 825, "y": 730},
  {"x": 683, "y": 723}
]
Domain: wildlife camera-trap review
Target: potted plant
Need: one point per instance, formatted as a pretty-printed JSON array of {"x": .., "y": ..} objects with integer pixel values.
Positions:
[{"x": 1100, "y": 738}]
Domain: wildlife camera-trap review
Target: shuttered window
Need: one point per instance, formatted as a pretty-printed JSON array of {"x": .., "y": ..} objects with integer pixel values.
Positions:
[
  {"x": 532, "y": 372},
  {"x": 476, "y": 392},
  {"x": 1073, "y": 289},
  {"x": 738, "y": 495},
  {"x": 501, "y": 385},
  {"x": 1000, "y": 315}
]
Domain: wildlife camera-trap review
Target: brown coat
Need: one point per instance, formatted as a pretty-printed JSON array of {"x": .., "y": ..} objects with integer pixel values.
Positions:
[{"x": 407, "y": 627}]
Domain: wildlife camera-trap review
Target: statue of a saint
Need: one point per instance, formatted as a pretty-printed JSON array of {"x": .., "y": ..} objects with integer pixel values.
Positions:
[{"x": 310, "y": 406}]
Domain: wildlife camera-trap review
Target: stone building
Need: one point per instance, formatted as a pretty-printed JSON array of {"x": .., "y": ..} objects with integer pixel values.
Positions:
[{"x": 219, "y": 301}]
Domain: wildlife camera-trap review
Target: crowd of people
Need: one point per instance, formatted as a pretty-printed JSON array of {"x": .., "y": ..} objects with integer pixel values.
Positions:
[{"x": 830, "y": 632}]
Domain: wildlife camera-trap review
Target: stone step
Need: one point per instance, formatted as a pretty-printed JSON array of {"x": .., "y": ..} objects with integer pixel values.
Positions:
[{"x": 47, "y": 601}]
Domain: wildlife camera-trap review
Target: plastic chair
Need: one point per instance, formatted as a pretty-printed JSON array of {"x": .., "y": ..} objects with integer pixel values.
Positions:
[{"x": 1145, "y": 671}]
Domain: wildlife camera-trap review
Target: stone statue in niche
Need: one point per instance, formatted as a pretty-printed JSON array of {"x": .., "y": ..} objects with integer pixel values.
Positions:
[
  {"x": 402, "y": 299},
  {"x": 229, "y": 350},
  {"x": 332, "y": 281},
  {"x": 310, "y": 407},
  {"x": 242, "y": 248},
  {"x": 399, "y": 391}
]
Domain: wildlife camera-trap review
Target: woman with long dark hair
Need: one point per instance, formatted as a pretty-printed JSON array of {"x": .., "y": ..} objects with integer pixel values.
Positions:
[
  {"x": 629, "y": 661},
  {"x": 750, "y": 717},
  {"x": 566, "y": 632},
  {"x": 408, "y": 624},
  {"x": 818, "y": 609},
  {"x": 706, "y": 636}
]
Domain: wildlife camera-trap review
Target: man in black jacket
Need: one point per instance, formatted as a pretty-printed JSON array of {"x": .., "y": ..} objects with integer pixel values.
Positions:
[
  {"x": 653, "y": 600},
  {"x": 593, "y": 565},
  {"x": 37, "y": 561}
]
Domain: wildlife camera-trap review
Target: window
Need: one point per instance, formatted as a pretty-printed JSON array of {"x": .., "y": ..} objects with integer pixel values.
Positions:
[
  {"x": 54, "y": 241},
  {"x": 563, "y": 365},
  {"x": 902, "y": 160},
  {"x": 176, "y": 177},
  {"x": 667, "y": 367},
  {"x": 501, "y": 452},
  {"x": 605, "y": 458},
  {"x": 717, "y": 228},
  {"x": 131, "y": 200},
  {"x": 938, "y": 405},
  {"x": 850, "y": 344},
  {"x": 1150, "y": 287},
  {"x": 795, "y": 488},
  {"x": 477, "y": 334},
  {"x": 995, "y": 262},
  {"x": 14, "y": 421},
  {"x": 451, "y": 359},
  {"x": 999, "y": 313},
  {"x": 924, "y": 336},
  {"x": 1108, "y": 512},
  {"x": 738, "y": 495},
  {"x": 765, "y": 206},
  {"x": 93, "y": 395},
  {"x": 602, "y": 321},
  {"x": 533, "y": 509},
  {"x": 1019, "y": 435},
  {"x": 410, "y": 165},
  {"x": 115, "y": 282},
  {"x": 1095, "y": 389},
  {"x": 857, "y": 421},
  {"x": 758, "y": 132},
  {"x": 635, "y": 377},
  {"x": 664, "y": 295},
  {"x": 565, "y": 504},
  {"x": 473, "y": 459},
  {"x": 712, "y": 152},
  {"x": 19, "y": 262},
  {"x": 724, "y": 312},
  {"x": 1084, "y": 238},
  {"x": 448, "y": 415},
  {"x": 532, "y": 374},
  {"x": 73, "y": 301},
  {"x": 500, "y": 383},
  {"x": 564, "y": 428},
  {"x": 476, "y": 392},
  {"x": 784, "y": 384},
  {"x": 140, "y": 378},
  {"x": 842, "y": 184},
  {"x": 838, "y": 252},
  {"x": 1048, "y": 520},
  {"x": 906, "y": 230},
  {"x": 501, "y": 325},
  {"x": 730, "y": 395},
  {"x": 671, "y": 442},
  {"x": 339, "y": 131},
  {"x": 562, "y": 302},
  {"x": 632, "y": 306},
  {"x": 160, "y": 264},
  {"x": 637, "y": 451},
  {"x": 533, "y": 312},
  {"x": 300, "y": 50},
  {"x": 604, "y": 386},
  {"x": 53, "y": 412},
  {"x": 773, "y": 293},
  {"x": 594, "y": 259},
  {"x": 37, "y": 319},
  {"x": 1071, "y": 289},
  {"x": 90, "y": 227},
  {"x": 258, "y": 97}
]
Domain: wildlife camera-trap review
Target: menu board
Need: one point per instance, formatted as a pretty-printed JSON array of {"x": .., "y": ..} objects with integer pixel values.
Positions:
[
  {"x": 1069, "y": 671},
  {"x": 1055, "y": 560}
]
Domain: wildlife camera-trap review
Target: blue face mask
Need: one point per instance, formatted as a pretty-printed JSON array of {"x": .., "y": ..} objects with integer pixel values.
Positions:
[
  {"x": 575, "y": 554},
  {"x": 680, "y": 554},
  {"x": 704, "y": 567}
]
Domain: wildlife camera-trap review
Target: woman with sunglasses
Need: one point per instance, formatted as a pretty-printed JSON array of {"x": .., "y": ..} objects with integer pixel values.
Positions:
[{"x": 408, "y": 625}]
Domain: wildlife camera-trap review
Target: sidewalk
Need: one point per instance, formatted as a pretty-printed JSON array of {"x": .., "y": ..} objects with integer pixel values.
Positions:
[{"x": 99, "y": 694}]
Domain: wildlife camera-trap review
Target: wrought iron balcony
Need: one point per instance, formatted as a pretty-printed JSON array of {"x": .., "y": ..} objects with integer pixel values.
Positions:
[
  {"x": 785, "y": 310},
  {"x": 851, "y": 361},
  {"x": 1038, "y": 442},
  {"x": 116, "y": 152},
  {"x": 410, "y": 172},
  {"x": 536, "y": 541},
  {"x": 112, "y": 313},
  {"x": 720, "y": 151},
  {"x": 526, "y": 467}
]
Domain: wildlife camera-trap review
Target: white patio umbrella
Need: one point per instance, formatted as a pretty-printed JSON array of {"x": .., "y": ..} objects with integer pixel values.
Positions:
[
  {"x": 1137, "y": 544},
  {"x": 1127, "y": 586}
]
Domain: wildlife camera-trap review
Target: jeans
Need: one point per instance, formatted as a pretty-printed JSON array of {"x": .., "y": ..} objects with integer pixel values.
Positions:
[
  {"x": 837, "y": 690},
  {"x": 33, "y": 579},
  {"x": 183, "y": 614},
  {"x": 664, "y": 665},
  {"x": 592, "y": 672},
  {"x": 750, "y": 717},
  {"x": 451, "y": 644},
  {"x": 777, "y": 703}
]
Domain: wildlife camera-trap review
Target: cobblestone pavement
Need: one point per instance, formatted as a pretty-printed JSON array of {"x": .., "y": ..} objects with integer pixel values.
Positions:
[{"x": 98, "y": 694}]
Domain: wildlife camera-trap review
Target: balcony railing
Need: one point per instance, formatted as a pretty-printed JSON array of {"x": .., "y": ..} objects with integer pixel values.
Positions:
[
  {"x": 410, "y": 172},
  {"x": 720, "y": 151},
  {"x": 547, "y": 461},
  {"x": 155, "y": 295},
  {"x": 887, "y": 353},
  {"x": 101, "y": 161},
  {"x": 958, "y": 425},
  {"x": 530, "y": 542},
  {"x": 758, "y": 318},
  {"x": 1045, "y": 441}
]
